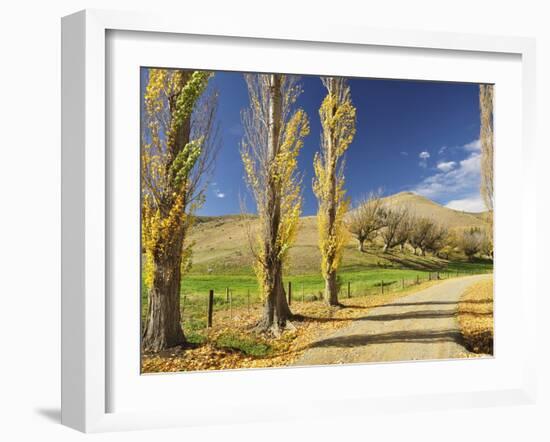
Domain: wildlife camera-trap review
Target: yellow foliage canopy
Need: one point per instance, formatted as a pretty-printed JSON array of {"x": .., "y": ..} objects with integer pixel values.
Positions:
[
  {"x": 338, "y": 117},
  {"x": 272, "y": 175},
  {"x": 168, "y": 192}
]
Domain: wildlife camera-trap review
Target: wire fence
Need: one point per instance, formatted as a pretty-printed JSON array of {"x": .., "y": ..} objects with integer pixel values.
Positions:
[{"x": 197, "y": 310}]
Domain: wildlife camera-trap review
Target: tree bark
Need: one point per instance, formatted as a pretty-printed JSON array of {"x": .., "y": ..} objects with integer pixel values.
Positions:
[
  {"x": 163, "y": 327},
  {"x": 163, "y": 324},
  {"x": 331, "y": 290},
  {"x": 276, "y": 310},
  {"x": 361, "y": 245}
]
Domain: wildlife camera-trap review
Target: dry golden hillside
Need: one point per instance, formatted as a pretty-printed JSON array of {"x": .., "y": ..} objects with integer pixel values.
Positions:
[
  {"x": 425, "y": 207},
  {"x": 222, "y": 245}
]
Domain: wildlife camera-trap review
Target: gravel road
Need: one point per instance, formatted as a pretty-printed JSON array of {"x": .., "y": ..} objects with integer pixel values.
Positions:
[{"x": 423, "y": 325}]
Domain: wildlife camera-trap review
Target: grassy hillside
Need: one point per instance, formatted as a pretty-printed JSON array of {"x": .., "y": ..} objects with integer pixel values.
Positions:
[
  {"x": 425, "y": 207},
  {"x": 222, "y": 244}
]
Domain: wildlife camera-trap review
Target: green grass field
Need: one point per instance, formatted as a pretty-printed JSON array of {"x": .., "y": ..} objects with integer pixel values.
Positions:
[
  {"x": 363, "y": 281},
  {"x": 312, "y": 284}
]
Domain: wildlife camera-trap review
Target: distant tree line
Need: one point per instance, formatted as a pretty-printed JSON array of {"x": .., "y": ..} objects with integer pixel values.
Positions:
[{"x": 397, "y": 227}]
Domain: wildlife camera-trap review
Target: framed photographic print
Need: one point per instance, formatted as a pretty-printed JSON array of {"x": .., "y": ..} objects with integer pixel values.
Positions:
[{"x": 248, "y": 211}]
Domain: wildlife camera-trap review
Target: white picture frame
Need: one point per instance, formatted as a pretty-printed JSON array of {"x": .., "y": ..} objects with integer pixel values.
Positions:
[{"x": 86, "y": 210}]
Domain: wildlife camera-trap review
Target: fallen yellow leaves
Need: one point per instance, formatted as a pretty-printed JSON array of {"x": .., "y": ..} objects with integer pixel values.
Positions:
[
  {"x": 475, "y": 315},
  {"x": 311, "y": 321}
]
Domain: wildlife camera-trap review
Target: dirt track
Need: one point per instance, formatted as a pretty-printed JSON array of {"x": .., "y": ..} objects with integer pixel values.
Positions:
[{"x": 419, "y": 326}]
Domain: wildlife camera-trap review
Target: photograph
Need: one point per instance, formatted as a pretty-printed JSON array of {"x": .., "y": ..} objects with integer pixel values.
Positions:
[{"x": 306, "y": 220}]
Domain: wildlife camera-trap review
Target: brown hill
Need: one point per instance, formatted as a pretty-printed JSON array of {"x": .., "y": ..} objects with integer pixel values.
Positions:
[
  {"x": 222, "y": 242},
  {"x": 422, "y": 206}
]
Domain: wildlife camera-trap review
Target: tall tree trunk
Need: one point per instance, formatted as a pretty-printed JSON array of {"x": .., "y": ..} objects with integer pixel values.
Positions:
[
  {"x": 276, "y": 310},
  {"x": 331, "y": 289},
  {"x": 361, "y": 245},
  {"x": 331, "y": 292},
  {"x": 163, "y": 327}
]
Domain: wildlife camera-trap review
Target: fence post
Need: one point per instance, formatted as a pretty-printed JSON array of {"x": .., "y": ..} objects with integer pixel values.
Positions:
[
  {"x": 438, "y": 276},
  {"x": 349, "y": 289},
  {"x": 230, "y": 304},
  {"x": 289, "y": 292},
  {"x": 227, "y": 294},
  {"x": 382, "y": 286},
  {"x": 210, "y": 308},
  {"x": 303, "y": 297},
  {"x": 417, "y": 279}
]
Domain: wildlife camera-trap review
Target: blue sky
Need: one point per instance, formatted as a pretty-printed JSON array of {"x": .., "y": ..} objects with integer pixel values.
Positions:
[{"x": 411, "y": 136}]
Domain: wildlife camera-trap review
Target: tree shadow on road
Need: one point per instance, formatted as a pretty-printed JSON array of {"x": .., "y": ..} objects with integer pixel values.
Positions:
[
  {"x": 420, "y": 314},
  {"x": 307, "y": 318},
  {"x": 410, "y": 336},
  {"x": 410, "y": 304}
]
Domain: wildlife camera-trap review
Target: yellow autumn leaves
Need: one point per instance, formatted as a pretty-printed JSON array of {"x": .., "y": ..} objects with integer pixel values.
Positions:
[
  {"x": 274, "y": 135},
  {"x": 169, "y": 99},
  {"x": 278, "y": 173},
  {"x": 337, "y": 115},
  {"x": 475, "y": 316}
]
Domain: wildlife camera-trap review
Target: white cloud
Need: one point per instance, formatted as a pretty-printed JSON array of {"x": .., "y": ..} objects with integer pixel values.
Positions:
[
  {"x": 216, "y": 189},
  {"x": 423, "y": 159},
  {"x": 446, "y": 166},
  {"x": 405, "y": 154},
  {"x": 472, "y": 203},
  {"x": 473, "y": 146},
  {"x": 454, "y": 182},
  {"x": 457, "y": 182}
]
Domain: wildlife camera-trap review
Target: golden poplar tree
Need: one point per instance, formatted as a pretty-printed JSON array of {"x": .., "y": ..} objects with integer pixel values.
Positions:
[
  {"x": 178, "y": 146},
  {"x": 337, "y": 115},
  {"x": 273, "y": 136},
  {"x": 486, "y": 139}
]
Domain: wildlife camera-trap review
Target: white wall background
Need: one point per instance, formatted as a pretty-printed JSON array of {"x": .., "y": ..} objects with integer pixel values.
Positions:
[{"x": 30, "y": 214}]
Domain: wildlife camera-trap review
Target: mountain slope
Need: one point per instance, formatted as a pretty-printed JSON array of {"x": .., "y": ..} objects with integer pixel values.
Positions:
[
  {"x": 221, "y": 244},
  {"x": 422, "y": 206}
]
